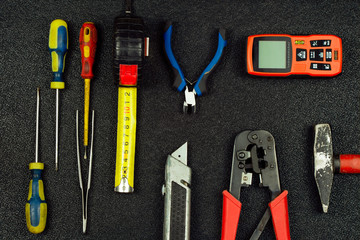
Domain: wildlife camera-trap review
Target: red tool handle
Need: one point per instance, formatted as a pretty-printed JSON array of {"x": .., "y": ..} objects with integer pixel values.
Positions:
[
  {"x": 230, "y": 216},
  {"x": 349, "y": 163},
  {"x": 88, "y": 40},
  {"x": 280, "y": 216}
]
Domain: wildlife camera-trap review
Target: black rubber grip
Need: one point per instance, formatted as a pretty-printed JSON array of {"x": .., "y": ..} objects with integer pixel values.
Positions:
[
  {"x": 128, "y": 45},
  {"x": 178, "y": 212}
]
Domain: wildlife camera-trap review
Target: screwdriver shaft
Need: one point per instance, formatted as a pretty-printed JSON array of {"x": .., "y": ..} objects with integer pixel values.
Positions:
[
  {"x": 57, "y": 132},
  {"x": 37, "y": 125},
  {"x": 86, "y": 113}
]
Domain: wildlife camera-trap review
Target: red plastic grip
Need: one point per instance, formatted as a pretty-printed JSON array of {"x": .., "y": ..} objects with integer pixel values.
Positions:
[
  {"x": 230, "y": 216},
  {"x": 88, "y": 40},
  {"x": 349, "y": 163},
  {"x": 280, "y": 216}
]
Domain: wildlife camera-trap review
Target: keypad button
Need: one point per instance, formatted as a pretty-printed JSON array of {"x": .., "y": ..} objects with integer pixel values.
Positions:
[
  {"x": 300, "y": 54},
  {"x": 314, "y": 66},
  {"x": 320, "y": 66},
  {"x": 326, "y": 66},
  {"x": 320, "y": 43},
  {"x": 328, "y": 55},
  {"x": 317, "y": 55}
]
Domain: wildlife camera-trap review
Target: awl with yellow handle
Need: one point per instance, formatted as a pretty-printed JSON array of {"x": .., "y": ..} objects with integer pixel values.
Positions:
[
  {"x": 36, "y": 207},
  {"x": 130, "y": 47},
  {"x": 58, "y": 46},
  {"x": 88, "y": 40}
]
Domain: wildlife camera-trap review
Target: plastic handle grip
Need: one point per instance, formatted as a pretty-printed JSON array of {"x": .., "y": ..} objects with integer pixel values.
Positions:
[
  {"x": 36, "y": 206},
  {"x": 179, "y": 81},
  {"x": 280, "y": 216},
  {"x": 58, "y": 46},
  {"x": 88, "y": 40},
  {"x": 349, "y": 163},
  {"x": 230, "y": 216},
  {"x": 200, "y": 86}
]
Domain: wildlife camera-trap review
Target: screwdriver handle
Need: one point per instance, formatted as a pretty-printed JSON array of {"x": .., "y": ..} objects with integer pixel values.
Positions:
[
  {"x": 347, "y": 163},
  {"x": 58, "y": 46},
  {"x": 36, "y": 207},
  {"x": 88, "y": 40}
]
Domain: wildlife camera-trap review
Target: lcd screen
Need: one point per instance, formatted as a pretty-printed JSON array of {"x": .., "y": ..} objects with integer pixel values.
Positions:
[{"x": 272, "y": 54}]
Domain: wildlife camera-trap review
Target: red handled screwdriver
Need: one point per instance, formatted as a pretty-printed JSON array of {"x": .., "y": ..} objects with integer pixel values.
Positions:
[{"x": 88, "y": 40}]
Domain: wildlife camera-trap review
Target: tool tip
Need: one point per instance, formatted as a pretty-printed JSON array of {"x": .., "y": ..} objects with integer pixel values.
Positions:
[
  {"x": 325, "y": 208},
  {"x": 85, "y": 155},
  {"x": 84, "y": 226}
]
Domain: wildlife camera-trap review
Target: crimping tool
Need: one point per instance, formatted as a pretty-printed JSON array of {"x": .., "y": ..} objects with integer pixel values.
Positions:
[
  {"x": 180, "y": 82},
  {"x": 254, "y": 152}
]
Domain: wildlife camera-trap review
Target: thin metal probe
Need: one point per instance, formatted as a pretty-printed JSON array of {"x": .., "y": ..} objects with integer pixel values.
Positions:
[
  {"x": 57, "y": 132},
  {"x": 37, "y": 125}
]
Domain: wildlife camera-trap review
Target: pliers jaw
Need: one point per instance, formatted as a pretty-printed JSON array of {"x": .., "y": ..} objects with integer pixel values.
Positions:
[
  {"x": 189, "y": 103},
  {"x": 180, "y": 81},
  {"x": 254, "y": 153}
]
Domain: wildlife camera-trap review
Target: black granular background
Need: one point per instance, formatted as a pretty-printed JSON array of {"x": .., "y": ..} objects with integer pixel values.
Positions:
[{"x": 236, "y": 101}]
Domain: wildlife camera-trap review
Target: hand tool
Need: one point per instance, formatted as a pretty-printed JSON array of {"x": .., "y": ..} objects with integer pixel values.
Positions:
[
  {"x": 84, "y": 201},
  {"x": 254, "y": 152},
  {"x": 326, "y": 164},
  {"x": 177, "y": 194},
  {"x": 58, "y": 46},
  {"x": 36, "y": 206},
  {"x": 281, "y": 55},
  {"x": 88, "y": 40},
  {"x": 180, "y": 82},
  {"x": 129, "y": 48}
]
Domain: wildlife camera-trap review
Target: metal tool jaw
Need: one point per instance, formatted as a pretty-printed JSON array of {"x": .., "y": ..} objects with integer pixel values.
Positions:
[
  {"x": 323, "y": 163},
  {"x": 189, "y": 103},
  {"x": 177, "y": 194},
  {"x": 180, "y": 82},
  {"x": 254, "y": 152}
]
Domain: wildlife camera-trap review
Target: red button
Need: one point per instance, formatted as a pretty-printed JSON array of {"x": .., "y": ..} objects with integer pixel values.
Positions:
[{"x": 128, "y": 75}]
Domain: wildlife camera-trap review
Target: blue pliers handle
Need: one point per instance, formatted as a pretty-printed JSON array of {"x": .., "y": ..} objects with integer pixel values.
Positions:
[{"x": 180, "y": 82}]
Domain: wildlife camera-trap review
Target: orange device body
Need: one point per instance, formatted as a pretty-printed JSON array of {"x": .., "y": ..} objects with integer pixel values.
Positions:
[{"x": 283, "y": 55}]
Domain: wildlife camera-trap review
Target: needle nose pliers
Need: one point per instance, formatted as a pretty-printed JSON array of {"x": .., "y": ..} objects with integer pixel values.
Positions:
[
  {"x": 254, "y": 152},
  {"x": 180, "y": 82}
]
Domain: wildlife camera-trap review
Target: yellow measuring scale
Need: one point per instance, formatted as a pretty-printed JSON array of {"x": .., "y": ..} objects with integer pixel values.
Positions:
[{"x": 126, "y": 138}]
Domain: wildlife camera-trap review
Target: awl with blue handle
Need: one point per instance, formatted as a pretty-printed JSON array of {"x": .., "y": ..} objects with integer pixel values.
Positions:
[
  {"x": 36, "y": 206},
  {"x": 58, "y": 46},
  {"x": 180, "y": 82}
]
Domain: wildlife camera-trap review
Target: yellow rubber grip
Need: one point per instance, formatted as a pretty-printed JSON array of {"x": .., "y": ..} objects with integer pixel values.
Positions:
[
  {"x": 86, "y": 111},
  {"x": 36, "y": 206},
  {"x": 36, "y": 165},
  {"x": 57, "y": 85},
  {"x": 126, "y": 138},
  {"x": 41, "y": 227}
]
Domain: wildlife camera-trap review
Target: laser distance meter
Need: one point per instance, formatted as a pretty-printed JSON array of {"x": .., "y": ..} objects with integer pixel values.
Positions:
[{"x": 284, "y": 55}]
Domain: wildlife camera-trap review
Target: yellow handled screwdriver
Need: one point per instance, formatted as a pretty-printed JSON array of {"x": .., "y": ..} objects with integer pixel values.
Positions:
[
  {"x": 88, "y": 40},
  {"x": 36, "y": 207},
  {"x": 58, "y": 46}
]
